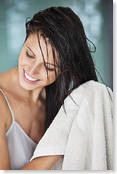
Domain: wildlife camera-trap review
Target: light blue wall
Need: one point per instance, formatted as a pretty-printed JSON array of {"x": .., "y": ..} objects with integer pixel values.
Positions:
[{"x": 96, "y": 16}]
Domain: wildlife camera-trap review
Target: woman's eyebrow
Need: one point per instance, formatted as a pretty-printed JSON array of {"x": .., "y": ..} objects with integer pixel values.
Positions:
[{"x": 31, "y": 50}]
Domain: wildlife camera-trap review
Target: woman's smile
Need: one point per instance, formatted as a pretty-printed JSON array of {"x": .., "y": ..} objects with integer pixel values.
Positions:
[{"x": 29, "y": 79}]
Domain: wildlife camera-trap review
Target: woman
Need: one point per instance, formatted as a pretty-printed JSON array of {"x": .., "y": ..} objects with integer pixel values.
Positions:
[{"x": 55, "y": 60}]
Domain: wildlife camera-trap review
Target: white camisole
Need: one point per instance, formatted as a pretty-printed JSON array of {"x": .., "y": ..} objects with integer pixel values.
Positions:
[{"x": 20, "y": 145}]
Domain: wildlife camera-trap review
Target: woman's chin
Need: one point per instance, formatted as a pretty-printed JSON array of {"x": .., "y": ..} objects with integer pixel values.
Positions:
[{"x": 25, "y": 86}]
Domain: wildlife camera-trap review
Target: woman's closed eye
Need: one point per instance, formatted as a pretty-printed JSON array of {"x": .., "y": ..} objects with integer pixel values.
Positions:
[
  {"x": 49, "y": 67},
  {"x": 29, "y": 55}
]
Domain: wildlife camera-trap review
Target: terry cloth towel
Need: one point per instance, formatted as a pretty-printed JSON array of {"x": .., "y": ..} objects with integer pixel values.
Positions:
[{"x": 84, "y": 134}]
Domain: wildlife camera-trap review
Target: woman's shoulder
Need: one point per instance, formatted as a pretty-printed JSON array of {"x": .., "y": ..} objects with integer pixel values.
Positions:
[
  {"x": 5, "y": 78},
  {"x": 7, "y": 81},
  {"x": 5, "y": 86},
  {"x": 5, "y": 117}
]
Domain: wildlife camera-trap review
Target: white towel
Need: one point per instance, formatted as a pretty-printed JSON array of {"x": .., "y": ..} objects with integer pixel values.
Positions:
[{"x": 84, "y": 134}]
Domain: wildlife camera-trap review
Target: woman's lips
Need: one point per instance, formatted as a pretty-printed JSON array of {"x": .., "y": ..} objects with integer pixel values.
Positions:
[{"x": 29, "y": 79}]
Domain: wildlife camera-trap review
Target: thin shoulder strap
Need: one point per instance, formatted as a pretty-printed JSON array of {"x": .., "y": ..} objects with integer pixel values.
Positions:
[{"x": 12, "y": 114}]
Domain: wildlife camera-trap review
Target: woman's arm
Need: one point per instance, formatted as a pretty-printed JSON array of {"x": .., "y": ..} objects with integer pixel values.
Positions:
[
  {"x": 4, "y": 155},
  {"x": 42, "y": 163}
]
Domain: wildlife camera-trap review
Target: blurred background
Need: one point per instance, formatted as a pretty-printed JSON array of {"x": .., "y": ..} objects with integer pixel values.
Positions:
[{"x": 96, "y": 16}]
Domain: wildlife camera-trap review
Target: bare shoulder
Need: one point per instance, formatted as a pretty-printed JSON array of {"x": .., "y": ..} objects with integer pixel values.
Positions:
[
  {"x": 5, "y": 114},
  {"x": 7, "y": 79},
  {"x": 4, "y": 78}
]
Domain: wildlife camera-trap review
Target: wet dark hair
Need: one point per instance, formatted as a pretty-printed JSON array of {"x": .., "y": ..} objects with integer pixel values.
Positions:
[{"x": 66, "y": 34}]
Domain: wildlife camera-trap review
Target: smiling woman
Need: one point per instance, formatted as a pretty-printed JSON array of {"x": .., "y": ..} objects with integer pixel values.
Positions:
[
  {"x": 54, "y": 114},
  {"x": 36, "y": 63}
]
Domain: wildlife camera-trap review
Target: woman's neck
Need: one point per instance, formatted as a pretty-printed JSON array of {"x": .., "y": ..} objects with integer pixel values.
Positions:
[{"x": 37, "y": 95}]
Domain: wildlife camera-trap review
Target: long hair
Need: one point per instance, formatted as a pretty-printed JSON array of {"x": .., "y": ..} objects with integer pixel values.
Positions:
[{"x": 66, "y": 34}]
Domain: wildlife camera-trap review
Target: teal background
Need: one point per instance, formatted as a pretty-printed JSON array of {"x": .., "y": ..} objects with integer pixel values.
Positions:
[{"x": 97, "y": 18}]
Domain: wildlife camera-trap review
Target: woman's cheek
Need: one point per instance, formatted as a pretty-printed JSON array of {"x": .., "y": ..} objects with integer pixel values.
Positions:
[
  {"x": 52, "y": 77},
  {"x": 23, "y": 61}
]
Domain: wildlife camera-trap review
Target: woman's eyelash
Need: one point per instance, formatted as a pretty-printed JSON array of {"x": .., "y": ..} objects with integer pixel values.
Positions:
[
  {"x": 50, "y": 69},
  {"x": 28, "y": 55},
  {"x": 46, "y": 66}
]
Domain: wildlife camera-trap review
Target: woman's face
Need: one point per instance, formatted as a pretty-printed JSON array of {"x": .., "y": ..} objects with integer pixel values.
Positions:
[{"x": 33, "y": 72}]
